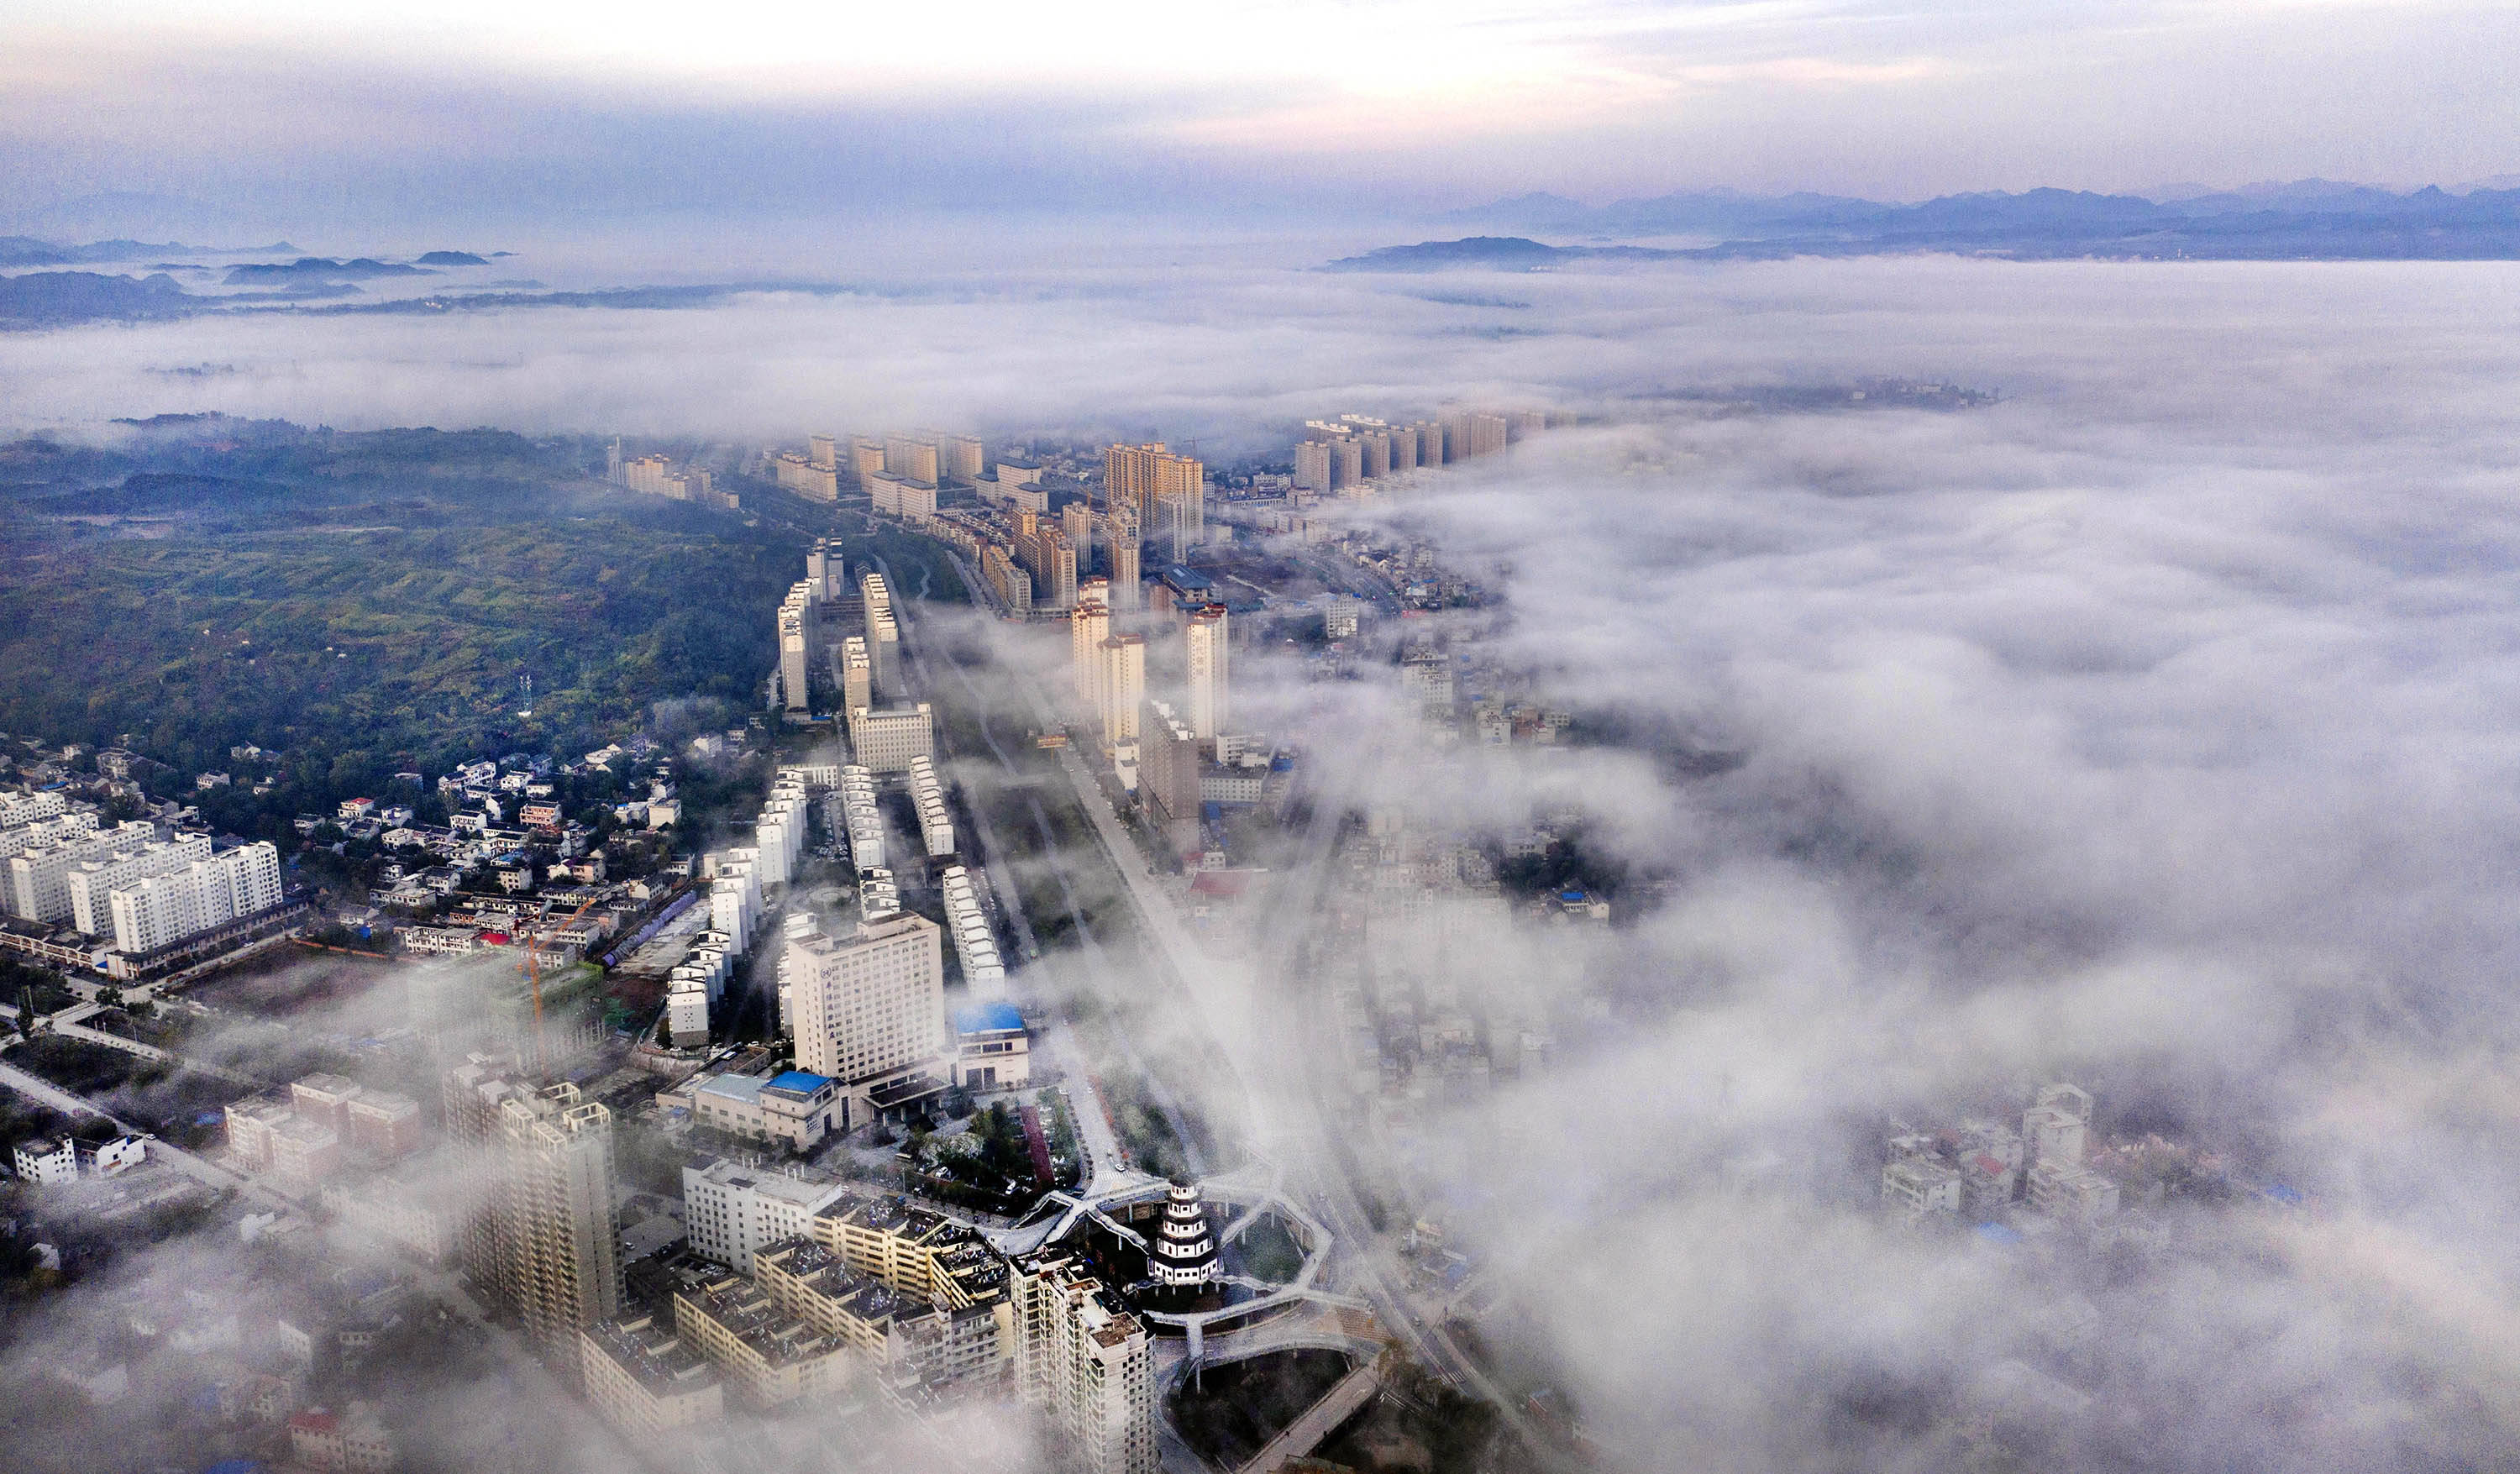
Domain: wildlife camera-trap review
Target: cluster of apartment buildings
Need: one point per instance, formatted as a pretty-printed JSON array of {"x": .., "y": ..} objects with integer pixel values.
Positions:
[
  {"x": 826, "y": 1289},
  {"x": 1984, "y": 1171},
  {"x": 850, "y": 648},
  {"x": 1177, "y": 756},
  {"x": 302, "y": 1135},
  {"x": 1344, "y": 454},
  {"x": 657, "y": 476},
  {"x": 148, "y": 900}
]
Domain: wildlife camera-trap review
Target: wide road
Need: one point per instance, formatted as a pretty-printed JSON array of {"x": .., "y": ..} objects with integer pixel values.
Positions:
[{"x": 1276, "y": 1030}]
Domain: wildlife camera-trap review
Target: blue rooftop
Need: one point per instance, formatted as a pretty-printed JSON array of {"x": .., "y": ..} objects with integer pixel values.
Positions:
[
  {"x": 801, "y": 1082},
  {"x": 987, "y": 1018},
  {"x": 1998, "y": 1233}
]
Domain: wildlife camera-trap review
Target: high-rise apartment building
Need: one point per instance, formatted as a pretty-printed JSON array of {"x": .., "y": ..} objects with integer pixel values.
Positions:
[
  {"x": 869, "y": 1010},
  {"x": 1207, "y": 666},
  {"x": 1085, "y": 1366},
  {"x": 1076, "y": 519},
  {"x": 1137, "y": 476},
  {"x": 912, "y": 458},
  {"x": 1122, "y": 687},
  {"x": 1088, "y": 624},
  {"x": 1008, "y": 578},
  {"x": 800, "y": 475},
  {"x": 825, "y": 569},
  {"x": 1127, "y": 590},
  {"x": 823, "y": 452},
  {"x": 857, "y": 673},
  {"x": 882, "y": 636},
  {"x": 1046, "y": 554},
  {"x": 564, "y": 1272},
  {"x": 799, "y": 631},
  {"x": 1313, "y": 466},
  {"x": 965, "y": 459},
  {"x": 866, "y": 458},
  {"x": 545, "y": 1241}
]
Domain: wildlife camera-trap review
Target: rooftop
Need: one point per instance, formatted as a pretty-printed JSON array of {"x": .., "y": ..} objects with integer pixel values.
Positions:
[{"x": 988, "y": 1019}]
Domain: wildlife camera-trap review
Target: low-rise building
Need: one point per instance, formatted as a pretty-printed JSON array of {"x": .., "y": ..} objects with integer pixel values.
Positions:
[
  {"x": 795, "y": 1107},
  {"x": 645, "y": 1380},
  {"x": 47, "y": 1161},
  {"x": 993, "y": 1050}
]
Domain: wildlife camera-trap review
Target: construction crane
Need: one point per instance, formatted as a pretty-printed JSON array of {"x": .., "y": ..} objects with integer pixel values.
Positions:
[{"x": 533, "y": 971}]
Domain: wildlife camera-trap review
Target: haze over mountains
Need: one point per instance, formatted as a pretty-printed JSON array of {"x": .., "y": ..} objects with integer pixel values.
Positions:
[{"x": 2304, "y": 220}]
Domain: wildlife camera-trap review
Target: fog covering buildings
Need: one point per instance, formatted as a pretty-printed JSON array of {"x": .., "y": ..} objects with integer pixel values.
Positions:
[{"x": 2143, "y": 730}]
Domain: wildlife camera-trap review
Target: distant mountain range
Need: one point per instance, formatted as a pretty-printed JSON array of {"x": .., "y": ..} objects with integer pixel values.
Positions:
[
  {"x": 59, "y": 298},
  {"x": 26, "y": 251},
  {"x": 2308, "y": 220}
]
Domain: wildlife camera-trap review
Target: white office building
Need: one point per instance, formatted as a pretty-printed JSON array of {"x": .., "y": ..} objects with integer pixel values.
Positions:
[{"x": 869, "y": 1010}]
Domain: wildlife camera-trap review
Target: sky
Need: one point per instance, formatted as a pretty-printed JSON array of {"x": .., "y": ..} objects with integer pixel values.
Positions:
[{"x": 583, "y": 115}]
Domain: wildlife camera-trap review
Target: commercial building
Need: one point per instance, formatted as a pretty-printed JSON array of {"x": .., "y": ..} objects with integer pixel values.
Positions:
[
  {"x": 868, "y": 1010},
  {"x": 793, "y": 1107},
  {"x": 992, "y": 1047},
  {"x": 644, "y": 1381},
  {"x": 1085, "y": 1366},
  {"x": 887, "y": 738}
]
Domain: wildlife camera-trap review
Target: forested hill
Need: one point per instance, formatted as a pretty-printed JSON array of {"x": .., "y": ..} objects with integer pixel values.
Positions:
[{"x": 363, "y": 602}]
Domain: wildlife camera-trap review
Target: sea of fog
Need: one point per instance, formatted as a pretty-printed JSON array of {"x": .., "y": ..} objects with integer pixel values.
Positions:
[{"x": 2156, "y": 725}]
